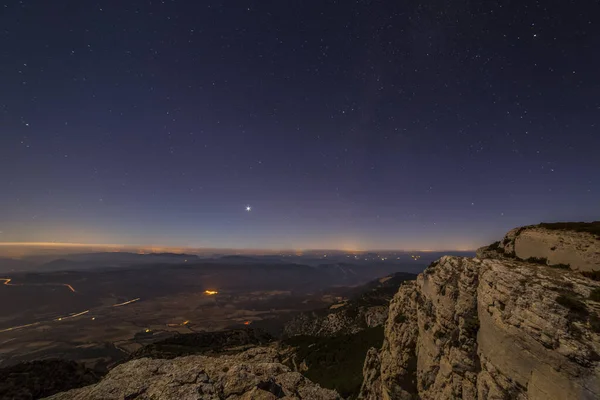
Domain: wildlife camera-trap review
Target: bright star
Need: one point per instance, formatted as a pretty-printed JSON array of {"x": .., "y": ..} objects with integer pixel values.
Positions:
[{"x": 248, "y": 208}]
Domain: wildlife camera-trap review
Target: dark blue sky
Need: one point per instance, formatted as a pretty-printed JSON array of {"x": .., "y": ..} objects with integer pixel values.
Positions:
[{"x": 344, "y": 124}]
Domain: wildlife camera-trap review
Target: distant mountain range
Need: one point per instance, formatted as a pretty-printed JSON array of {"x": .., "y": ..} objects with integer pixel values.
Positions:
[
  {"x": 336, "y": 264},
  {"x": 87, "y": 261}
]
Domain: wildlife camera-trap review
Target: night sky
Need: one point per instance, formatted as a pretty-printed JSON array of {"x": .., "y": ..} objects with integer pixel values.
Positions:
[{"x": 342, "y": 124}]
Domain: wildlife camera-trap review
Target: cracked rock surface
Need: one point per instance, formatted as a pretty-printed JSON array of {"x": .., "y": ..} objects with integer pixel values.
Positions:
[
  {"x": 253, "y": 374},
  {"x": 491, "y": 328}
]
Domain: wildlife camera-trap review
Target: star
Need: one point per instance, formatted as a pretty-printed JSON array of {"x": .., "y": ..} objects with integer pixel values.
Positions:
[{"x": 248, "y": 208}]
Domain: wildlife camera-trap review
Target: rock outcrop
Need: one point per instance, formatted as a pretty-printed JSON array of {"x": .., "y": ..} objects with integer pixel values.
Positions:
[
  {"x": 253, "y": 374},
  {"x": 205, "y": 343},
  {"x": 493, "y": 328},
  {"x": 367, "y": 308},
  {"x": 576, "y": 245}
]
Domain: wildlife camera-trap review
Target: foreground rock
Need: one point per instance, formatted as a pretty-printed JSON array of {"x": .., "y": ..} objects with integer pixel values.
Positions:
[
  {"x": 490, "y": 329},
  {"x": 253, "y": 374}
]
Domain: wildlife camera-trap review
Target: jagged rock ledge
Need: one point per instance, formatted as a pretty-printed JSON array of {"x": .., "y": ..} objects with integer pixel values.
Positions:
[
  {"x": 570, "y": 245},
  {"x": 253, "y": 374},
  {"x": 494, "y": 328}
]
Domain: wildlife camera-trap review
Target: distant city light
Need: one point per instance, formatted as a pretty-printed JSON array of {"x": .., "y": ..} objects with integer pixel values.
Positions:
[{"x": 210, "y": 292}]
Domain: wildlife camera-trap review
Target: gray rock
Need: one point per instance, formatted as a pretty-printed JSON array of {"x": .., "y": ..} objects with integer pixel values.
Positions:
[
  {"x": 493, "y": 328},
  {"x": 580, "y": 250},
  {"x": 253, "y": 374}
]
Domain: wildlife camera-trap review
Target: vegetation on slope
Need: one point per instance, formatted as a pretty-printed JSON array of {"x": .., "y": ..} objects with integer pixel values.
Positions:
[
  {"x": 588, "y": 227},
  {"x": 203, "y": 343},
  {"x": 594, "y": 275},
  {"x": 37, "y": 379},
  {"x": 350, "y": 315},
  {"x": 336, "y": 362}
]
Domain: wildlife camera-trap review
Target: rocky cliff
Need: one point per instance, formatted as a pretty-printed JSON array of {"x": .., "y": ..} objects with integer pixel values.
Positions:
[
  {"x": 254, "y": 374},
  {"x": 496, "y": 326}
]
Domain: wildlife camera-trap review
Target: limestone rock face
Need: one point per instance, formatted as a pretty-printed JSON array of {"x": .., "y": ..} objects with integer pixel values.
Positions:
[
  {"x": 493, "y": 328},
  {"x": 555, "y": 244},
  {"x": 253, "y": 374}
]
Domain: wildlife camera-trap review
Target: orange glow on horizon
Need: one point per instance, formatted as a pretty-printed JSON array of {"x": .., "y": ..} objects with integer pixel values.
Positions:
[
  {"x": 210, "y": 292},
  {"x": 150, "y": 248}
]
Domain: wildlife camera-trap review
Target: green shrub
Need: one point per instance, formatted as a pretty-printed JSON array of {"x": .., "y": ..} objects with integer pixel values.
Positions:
[
  {"x": 400, "y": 319},
  {"x": 336, "y": 362},
  {"x": 588, "y": 227},
  {"x": 560, "y": 266},
  {"x": 537, "y": 260},
  {"x": 576, "y": 307},
  {"x": 494, "y": 246},
  {"x": 595, "y": 323},
  {"x": 594, "y": 275}
]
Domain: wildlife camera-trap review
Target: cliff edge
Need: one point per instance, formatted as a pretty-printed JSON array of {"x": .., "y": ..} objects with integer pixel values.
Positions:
[
  {"x": 571, "y": 245},
  {"x": 496, "y": 326}
]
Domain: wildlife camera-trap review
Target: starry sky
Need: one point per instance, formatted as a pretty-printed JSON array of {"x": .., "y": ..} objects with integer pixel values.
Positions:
[{"x": 343, "y": 124}]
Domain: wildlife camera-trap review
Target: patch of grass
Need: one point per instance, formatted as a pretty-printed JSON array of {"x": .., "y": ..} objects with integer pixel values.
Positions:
[
  {"x": 574, "y": 305},
  {"x": 494, "y": 246},
  {"x": 595, "y": 295},
  {"x": 203, "y": 343},
  {"x": 538, "y": 260},
  {"x": 595, "y": 323},
  {"x": 588, "y": 227},
  {"x": 336, "y": 362},
  {"x": 560, "y": 266},
  {"x": 431, "y": 268},
  {"x": 521, "y": 229},
  {"x": 43, "y": 378},
  {"x": 593, "y": 275}
]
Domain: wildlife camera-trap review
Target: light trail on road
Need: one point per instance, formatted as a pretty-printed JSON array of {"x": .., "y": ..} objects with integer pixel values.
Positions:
[
  {"x": 69, "y": 286},
  {"x": 72, "y": 315},
  {"x": 14, "y": 328},
  {"x": 7, "y": 282},
  {"x": 127, "y": 302}
]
